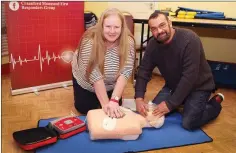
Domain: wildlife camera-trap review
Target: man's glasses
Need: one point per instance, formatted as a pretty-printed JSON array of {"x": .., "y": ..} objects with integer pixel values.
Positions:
[{"x": 161, "y": 26}]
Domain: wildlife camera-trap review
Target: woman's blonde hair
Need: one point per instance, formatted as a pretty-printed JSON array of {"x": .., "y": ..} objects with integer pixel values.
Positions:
[{"x": 95, "y": 34}]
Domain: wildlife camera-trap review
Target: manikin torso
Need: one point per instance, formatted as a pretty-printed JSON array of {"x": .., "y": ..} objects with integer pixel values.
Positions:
[{"x": 129, "y": 127}]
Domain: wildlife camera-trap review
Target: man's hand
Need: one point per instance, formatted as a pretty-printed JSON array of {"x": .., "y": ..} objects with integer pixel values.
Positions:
[
  {"x": 112, "y": 109},
  {"x": 161, "y": 109},
  {"x": 141, "y": 107}
]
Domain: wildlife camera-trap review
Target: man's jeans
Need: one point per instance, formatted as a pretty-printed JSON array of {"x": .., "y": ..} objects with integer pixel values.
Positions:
[{"x": 198, "y": 110}]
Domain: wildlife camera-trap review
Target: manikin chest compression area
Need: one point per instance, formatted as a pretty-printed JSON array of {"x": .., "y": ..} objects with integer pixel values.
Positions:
[{"x": 129, "y": 127}]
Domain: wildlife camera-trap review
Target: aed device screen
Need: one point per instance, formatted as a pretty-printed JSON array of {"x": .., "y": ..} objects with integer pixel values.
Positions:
[{"x": 68, "y": 122}]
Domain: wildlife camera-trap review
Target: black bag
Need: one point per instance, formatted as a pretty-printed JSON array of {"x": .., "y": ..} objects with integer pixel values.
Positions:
[
  {"x": 34, "y": 138},
  {"x": 224, "y": 74},
  {"x": 90, "y": 19}
]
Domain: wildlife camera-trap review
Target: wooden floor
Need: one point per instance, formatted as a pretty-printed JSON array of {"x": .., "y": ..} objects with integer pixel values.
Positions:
[{"x": 23, "y": 111}]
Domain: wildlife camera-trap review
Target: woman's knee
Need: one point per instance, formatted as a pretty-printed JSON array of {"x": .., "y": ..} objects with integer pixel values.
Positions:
[
  {"x": 81, "y": 110},
  {"x": 83, "y": 106}
]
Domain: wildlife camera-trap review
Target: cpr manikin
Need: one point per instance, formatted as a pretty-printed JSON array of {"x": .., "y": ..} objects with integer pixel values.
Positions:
[{"x": 129, "y": 127}]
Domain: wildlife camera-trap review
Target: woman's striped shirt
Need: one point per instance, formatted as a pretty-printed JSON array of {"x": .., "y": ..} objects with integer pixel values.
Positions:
[{"x": 111, "y": 66}]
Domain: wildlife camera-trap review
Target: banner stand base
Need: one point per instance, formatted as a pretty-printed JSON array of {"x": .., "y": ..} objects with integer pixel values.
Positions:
[{"x": 36, "y": 89}]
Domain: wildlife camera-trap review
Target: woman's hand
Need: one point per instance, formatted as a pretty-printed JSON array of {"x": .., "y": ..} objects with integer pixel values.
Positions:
[{"x": 112, "y": 109}]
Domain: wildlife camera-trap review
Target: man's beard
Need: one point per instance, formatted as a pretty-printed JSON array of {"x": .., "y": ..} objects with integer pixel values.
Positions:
[{"x": 165, "y": 38}]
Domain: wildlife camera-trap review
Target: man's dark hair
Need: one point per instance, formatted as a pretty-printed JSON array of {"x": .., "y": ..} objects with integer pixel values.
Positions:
[{"x": 156, "y": 14}]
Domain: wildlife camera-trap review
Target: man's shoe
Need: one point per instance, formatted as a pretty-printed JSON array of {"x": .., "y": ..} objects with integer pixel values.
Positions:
[{"x": 219, "y": 97}]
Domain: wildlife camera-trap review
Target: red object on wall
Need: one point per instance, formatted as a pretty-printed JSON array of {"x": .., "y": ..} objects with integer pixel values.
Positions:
[{"x": 42, "y": 37}]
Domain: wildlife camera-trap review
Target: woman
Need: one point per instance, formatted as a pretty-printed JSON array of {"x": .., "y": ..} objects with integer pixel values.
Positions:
[{"x": 102, "y": 64}]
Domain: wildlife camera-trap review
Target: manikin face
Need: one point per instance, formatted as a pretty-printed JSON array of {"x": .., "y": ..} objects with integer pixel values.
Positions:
[
  {"x": 160, "y": 28},
  {"x": 112, "y": 28}
]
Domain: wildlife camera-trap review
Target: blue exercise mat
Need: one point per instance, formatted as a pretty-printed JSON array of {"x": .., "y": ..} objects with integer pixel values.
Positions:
[{"x": 170, "y": 135}]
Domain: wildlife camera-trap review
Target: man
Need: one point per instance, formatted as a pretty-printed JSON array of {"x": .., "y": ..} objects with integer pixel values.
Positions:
[{"x": 179, "y": 56}]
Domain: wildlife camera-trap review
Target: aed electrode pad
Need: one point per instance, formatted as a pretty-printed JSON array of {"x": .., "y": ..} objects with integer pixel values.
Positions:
[{"x": 109, "y": 123}]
